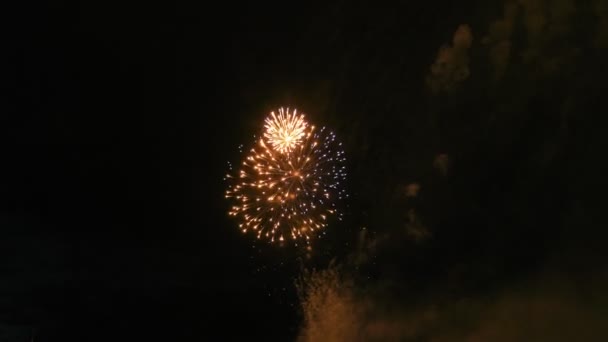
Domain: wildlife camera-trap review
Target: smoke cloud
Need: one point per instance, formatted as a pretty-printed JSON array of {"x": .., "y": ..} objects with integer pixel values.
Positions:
[{"x": 452, "y": 63}]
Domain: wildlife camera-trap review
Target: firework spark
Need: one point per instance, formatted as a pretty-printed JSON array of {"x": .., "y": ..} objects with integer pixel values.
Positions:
[
  {"x": 286, "y": 130},
  {"x": 284, "y": 194}
]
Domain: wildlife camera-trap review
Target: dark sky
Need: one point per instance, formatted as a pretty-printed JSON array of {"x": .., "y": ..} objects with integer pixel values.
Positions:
[{"x": 118, "y": 120}]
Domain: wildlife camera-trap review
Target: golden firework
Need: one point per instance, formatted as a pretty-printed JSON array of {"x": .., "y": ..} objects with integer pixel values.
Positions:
[
  {"x": 286, "y": 130},
  {"x": 288, "y": 193}
]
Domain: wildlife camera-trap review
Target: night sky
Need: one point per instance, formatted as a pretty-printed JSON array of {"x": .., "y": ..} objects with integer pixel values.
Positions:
[{"x": 475, "y": 134}]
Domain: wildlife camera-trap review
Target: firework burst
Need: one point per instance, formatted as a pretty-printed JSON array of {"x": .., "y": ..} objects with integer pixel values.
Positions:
[
  {"x": 284, "y": 193},
  {"x": 286, "y": 130}
]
